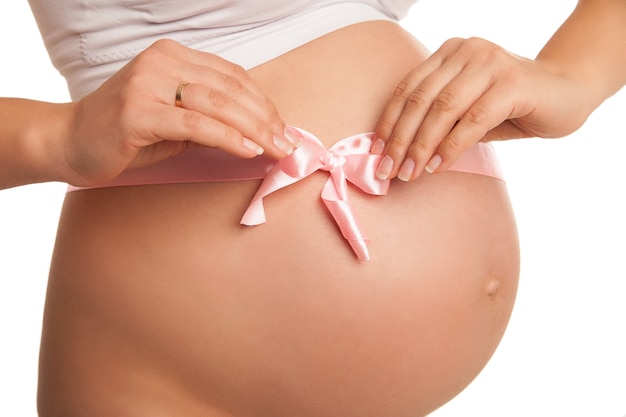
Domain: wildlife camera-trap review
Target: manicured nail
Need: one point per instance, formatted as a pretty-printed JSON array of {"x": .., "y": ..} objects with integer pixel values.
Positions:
[
  {"x": 252, "y": 146},
  {"x": 433, "y": 164},
  {"x": 406, "y": 170},
  {"x": 283, "y": 145},
  {"x": 378, "y": 147},
  {"x": 385, "y": 167},
  {"x": 293, "y": 136}
]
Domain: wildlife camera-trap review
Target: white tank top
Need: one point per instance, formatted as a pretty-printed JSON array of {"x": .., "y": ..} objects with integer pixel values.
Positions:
[{"x": 89, "y": 40}]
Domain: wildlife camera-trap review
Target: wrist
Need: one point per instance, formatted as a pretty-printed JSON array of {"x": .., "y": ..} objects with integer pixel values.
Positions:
[
  {"x": 44, "y": 130},
  {"x": 567, "y": 94},
  {"x": 55, "y": 140}
]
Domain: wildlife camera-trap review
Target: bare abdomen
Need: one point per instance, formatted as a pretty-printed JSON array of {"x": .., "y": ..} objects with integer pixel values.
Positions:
[{"x": 161, "y": 304}]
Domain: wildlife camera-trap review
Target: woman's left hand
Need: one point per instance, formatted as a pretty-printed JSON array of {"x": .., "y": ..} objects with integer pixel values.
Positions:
[{"x": 471, "y": 90}]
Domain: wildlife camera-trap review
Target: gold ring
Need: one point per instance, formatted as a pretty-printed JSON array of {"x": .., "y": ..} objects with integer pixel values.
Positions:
[{"x": 179, "y": 94}]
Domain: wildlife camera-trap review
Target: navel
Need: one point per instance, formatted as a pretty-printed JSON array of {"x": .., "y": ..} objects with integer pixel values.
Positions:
[{"x": 492, "y": 288}]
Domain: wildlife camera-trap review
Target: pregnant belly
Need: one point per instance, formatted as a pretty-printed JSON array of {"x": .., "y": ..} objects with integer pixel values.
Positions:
[{"x": 160, "y": 303}]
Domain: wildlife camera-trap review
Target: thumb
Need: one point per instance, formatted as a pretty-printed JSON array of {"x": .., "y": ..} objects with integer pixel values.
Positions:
[{"x": 505, "y": 131}]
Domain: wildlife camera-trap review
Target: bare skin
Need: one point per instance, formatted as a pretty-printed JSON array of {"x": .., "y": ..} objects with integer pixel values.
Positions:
[
  {"x": 161, "y": 304},
  {"x": 472, "y": 90},
  {"x": 467, "y": 91}
]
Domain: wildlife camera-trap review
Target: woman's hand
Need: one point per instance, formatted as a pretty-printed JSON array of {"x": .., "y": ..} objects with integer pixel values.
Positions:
[
  {"x": 132, "y": 120},
  {"x": 470, "y": 91}
]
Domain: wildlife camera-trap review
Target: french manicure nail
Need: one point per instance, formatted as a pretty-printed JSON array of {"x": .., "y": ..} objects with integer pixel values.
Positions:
[
  {"x": 293, "y": 137},
  {"x": 283, "y": 145},
  {"x": 406, "y": 170},
  {"x": 433, "y": 164},
  {"x": 378, "y": 147},
  {"x": 384, "y": 170},
  {"x": 252, "y": 146}
]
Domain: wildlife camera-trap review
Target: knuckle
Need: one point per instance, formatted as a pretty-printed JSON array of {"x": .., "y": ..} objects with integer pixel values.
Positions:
[
  {"x": 162, "y": 44},
  {"x": 192, "y": 124},
  {"x": 444, "y": 102},
  {"x": 145, "y": 59},
  {"x": 218, "y": 99},
  {"x": 477, "y": 116},
  {"x": 420, "y": 146},
  {"x": 157, "y": 51},
  {"x": 397, "y": 141},
  {"x": 417, "y": 98},
  {"x": 145, "y": 65},
  {"x": 451, "y": 44},
  {"x": 238, "y": 72},
  {"x": 386, "y": 125},
  {"x": 396, "y": 147},
  {"x": 401, "y": 89},
  {"x": 498, "y": 57},
  {"x": 486, "y": 51},
  {"x": 454, "y": 144},
  {"x": 476, "y": 44},
  {"x": 232, "y": 85}
]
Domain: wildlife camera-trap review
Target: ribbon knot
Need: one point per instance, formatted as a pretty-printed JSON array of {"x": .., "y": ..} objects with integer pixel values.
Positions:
[
  {"x": 348, "y": 160},
  {"x": 333, "y": 161}
]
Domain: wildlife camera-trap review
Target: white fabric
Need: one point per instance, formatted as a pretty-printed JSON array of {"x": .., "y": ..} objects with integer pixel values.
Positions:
[{"x": 89, "y": 40}]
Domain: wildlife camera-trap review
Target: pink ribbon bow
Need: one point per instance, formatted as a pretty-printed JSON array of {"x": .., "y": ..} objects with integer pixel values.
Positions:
[{"x": 348, "y": 160}]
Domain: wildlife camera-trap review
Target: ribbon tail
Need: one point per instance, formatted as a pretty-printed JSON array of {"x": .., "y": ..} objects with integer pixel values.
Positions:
[
  {"x": 344, "y": 216},
  {"x": 275, "y": 180}
]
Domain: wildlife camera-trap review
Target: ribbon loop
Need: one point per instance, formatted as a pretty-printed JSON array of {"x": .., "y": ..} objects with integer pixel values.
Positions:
[{"x": 348, "y": 160}]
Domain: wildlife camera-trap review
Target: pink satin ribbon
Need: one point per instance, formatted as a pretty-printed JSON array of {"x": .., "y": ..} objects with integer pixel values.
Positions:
[{"x": 348, "y": 160}]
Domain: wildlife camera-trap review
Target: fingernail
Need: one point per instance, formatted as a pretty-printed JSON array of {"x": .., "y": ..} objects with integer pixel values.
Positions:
[
  {"x": 252, "y": 146},
  {"x": 433, "y": 164},
  {"x": 283, "y": 145},
  {"x": 385, "y": 167},
  {"x": 406, "y": 170},
  {"x": 293, "y": 136},
  {"x": 378, "y": 147}
]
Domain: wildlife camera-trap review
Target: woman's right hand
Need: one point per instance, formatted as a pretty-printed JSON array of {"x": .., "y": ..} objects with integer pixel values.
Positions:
[{"x": 132, "y": 120}]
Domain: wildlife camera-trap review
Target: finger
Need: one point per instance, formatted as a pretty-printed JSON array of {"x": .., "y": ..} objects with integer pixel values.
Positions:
[
  {"x": 422, "y": 126},
  {"x": 486, "y": 114},
  {"x": 505, "y": 131},
  {"x": 190, "y": 126},
  {"x": 405, "y": 132},
  {"x": 209, "y": 69},
  {"x": 405, "y": 92},
  {"x": 236, "y": 85},
  {"x": 215, "y": 62},
  {"x": 182, "y": 58},
  {"x": 214, "y": 72},
  {"x": 238, "y": 113},
  {"x": 450, "y": 106}
]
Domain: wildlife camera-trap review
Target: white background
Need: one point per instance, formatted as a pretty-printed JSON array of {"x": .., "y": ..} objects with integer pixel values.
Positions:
[{"x": 564, "y": 353}]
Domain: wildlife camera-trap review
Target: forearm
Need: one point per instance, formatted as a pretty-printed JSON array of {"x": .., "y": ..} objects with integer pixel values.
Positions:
[
  {"x": 31, "y": 134},
  {"x": 590, "y": 49}
]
